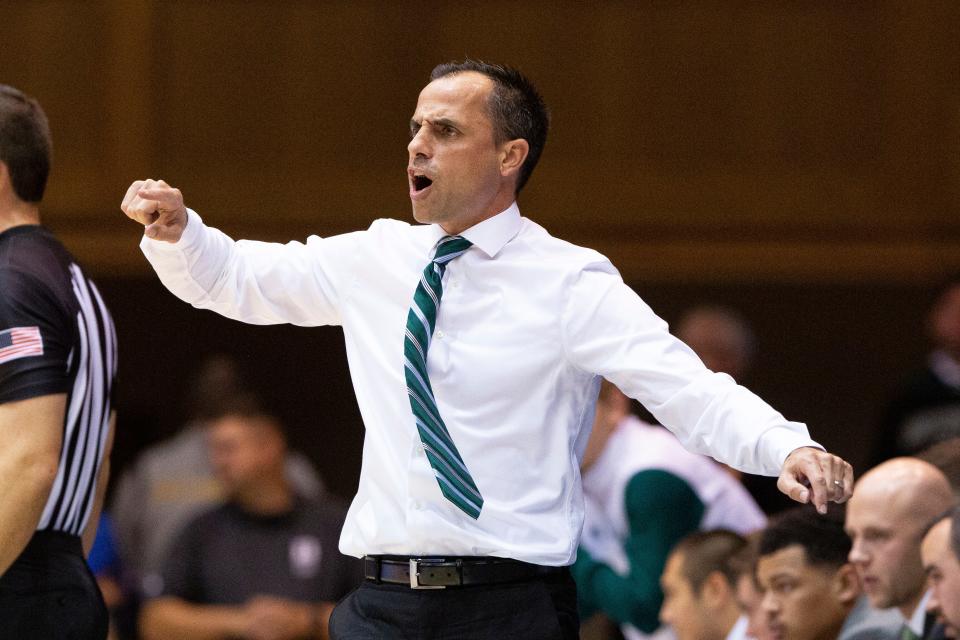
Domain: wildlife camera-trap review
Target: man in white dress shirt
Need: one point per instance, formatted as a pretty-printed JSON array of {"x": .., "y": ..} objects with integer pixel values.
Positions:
[{"x": 477, "y": 409}]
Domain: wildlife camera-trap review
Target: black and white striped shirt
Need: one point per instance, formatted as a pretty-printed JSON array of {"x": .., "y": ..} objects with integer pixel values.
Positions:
[{"x": 57, "y": 336}]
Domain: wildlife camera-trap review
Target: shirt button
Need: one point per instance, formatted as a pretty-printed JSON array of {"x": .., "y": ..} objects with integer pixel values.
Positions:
[{"x": 440, "y": 334}]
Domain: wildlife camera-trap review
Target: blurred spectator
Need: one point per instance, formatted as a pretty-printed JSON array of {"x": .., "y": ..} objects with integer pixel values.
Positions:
[
  {"x": 749, "y": 596},
  {"x": 172, "y": 481},
  {"x": 263, "y": 565},
  {"x": 643, "y": 493},
  {"x": 927, "y": 408},
  {"x": 721, "y": 337},
  {"x": 890, "y": 508},
  {"x": 810, "y": 590},
  {"x": 941, "y": 559},
  {"x": 699, "y": 587},
  {"x": 946, "y": 457}
]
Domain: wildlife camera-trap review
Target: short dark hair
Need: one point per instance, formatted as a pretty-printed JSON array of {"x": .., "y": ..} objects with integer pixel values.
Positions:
[
  {"x": 516, "y": 108},
  {"x": 955, "y": 531},
  {"x": 953, "y": 514},
  {"x": 822, "y": 537},
  {"x": 706, "y": 552},
  {"x": 25, "y": 145}
]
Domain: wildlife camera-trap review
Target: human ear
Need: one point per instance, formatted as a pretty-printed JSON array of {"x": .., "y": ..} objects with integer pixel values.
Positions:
[
  {"x": 513, "y": 153},
  {"x": 846, "y": 585},
  {"x": 715, "y": 590}
]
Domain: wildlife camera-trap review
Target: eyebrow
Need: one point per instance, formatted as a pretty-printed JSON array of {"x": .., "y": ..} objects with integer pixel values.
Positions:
[{"x": 441, "y": 122}]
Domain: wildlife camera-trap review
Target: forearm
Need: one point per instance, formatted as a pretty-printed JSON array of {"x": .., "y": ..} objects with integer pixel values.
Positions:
[
  {"x": 714, "y": 416},
  {"x": 244, "y": 280},
  {"x": 321, "y": 625},
  {"x": 171, "y": 618},
  {"x": 27, "y": 483},
  {"x": 624, "y": 599},
  {"x": 30, "y": 434}
]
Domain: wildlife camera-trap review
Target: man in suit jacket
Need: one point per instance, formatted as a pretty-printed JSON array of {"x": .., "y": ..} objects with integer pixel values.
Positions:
[
  {"x": 891, "y": 506},
  {"x": 940, "y": 550}
]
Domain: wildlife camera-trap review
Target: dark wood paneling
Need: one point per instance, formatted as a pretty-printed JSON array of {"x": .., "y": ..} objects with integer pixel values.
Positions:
[{"x": 762, "y": 135}]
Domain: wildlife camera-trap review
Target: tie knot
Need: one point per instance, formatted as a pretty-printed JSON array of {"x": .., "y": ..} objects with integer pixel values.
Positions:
[{"x": 449, "y": 248}]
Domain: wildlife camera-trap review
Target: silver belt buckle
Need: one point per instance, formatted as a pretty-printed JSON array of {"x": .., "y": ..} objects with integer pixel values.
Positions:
[{"x": 415, "y": 577}]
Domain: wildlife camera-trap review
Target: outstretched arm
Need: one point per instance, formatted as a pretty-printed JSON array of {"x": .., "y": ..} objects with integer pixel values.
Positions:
[
  {"x": 610, "y": 331},
  {"x": 30, "y": 437},
  {"x": 254, "y": 282}
]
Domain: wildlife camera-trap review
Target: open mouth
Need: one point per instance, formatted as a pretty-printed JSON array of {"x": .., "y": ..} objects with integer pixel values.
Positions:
[{"x": 421, "y": 182}]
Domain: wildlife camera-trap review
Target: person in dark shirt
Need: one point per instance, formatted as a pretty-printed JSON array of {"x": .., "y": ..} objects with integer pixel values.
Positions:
[
  {"x": 58, "y": 361},
  {"x": 263, "y": 565}
]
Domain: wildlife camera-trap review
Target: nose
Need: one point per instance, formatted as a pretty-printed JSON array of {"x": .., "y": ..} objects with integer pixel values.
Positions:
[
  {"x": 857, "y": 555},
  {"x": 768, "y": 602},
  {"x": 419, "y": 146}
]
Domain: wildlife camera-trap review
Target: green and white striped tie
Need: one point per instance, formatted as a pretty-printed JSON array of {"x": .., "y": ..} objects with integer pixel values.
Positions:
[{"x": 451, "y": 472}]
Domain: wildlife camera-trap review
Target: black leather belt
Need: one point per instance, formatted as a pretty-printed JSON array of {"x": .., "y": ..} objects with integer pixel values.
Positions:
[{"x": 439, "y": 573}]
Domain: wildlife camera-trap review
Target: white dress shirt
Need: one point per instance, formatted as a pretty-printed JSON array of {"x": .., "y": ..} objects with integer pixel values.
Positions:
[
  {"x": 919, "y": 616},
  {"x": 526, "y": 325},
  {"x": 739, "y": 629}
]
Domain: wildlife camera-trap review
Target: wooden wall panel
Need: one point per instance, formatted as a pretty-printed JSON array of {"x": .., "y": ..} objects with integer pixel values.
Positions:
[{"x": 704, "y": 141}]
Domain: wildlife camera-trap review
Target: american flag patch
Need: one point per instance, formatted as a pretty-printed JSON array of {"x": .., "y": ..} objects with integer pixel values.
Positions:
[{"x": 20, "y": 342}]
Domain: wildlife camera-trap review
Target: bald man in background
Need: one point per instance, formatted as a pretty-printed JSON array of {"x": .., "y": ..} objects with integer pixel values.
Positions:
[{"x": 891, "y": 507}]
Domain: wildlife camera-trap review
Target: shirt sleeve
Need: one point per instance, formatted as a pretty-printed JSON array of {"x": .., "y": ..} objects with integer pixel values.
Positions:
[
  {"x": 609, "y": 331},
  {"x": 257, "y": 282},
  {"x": 36, "y": 336},
  {"x": 661, "y": 509}
]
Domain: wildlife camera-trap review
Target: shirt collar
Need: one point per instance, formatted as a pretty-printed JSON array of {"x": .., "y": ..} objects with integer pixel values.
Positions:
[
  {"x": 739, "y": 630},
  {"x": 492, "y": 234},
  {"x": 919, "y": 616}
]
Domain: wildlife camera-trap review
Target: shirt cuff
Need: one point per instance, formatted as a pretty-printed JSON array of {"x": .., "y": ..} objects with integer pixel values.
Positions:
[
  {"x": 791, "y": 440},
  {"x": 188, "y": 239}
]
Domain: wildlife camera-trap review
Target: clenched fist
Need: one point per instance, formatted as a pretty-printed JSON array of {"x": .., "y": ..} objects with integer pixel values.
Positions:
[{"x": 158, "y": 207}]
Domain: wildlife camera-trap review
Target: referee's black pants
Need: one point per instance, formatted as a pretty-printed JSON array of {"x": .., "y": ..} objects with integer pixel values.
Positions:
[
  {"x": 48, "y": 593},
  {"x": 542, "y": 608}
]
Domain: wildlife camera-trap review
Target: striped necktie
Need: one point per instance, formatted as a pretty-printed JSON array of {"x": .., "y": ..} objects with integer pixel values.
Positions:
[
  {"x": 906, "y": 633},
  {"x": 455, "y": 481}
]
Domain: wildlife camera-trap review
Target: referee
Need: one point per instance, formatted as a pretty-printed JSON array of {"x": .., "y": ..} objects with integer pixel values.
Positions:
[{"x": 58, "y": 362}]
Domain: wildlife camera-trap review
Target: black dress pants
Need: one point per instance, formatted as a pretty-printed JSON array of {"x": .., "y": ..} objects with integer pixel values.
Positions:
[
  {"x": 537, "y": 609},
  {"x": 49, "y": 593}
]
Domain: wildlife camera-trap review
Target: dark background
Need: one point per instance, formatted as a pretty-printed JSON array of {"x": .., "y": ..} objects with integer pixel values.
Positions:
[{"x": 798, "y": 161}]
